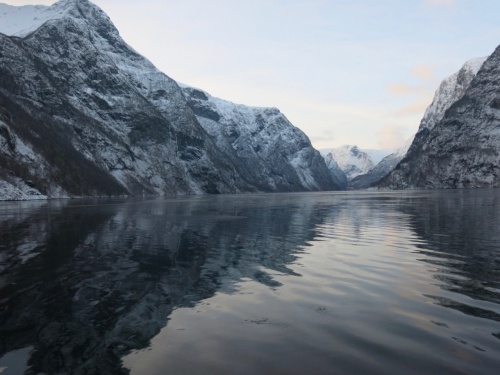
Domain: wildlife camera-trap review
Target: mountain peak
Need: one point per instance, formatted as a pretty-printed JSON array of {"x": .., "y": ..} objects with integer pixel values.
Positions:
[
  {"x": 450, "y": 90},
  {"x": 352, "y": 160},
  {"x": 457, "y": 144},
  {"x": 21, "y": 21}
]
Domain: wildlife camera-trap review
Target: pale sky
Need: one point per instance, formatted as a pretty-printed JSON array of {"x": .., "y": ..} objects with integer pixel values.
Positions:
[{"x": 344, "y": 71}]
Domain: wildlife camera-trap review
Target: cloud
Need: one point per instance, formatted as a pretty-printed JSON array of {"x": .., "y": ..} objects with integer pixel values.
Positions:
[
  {"x": 400, "y": 89},
  {"x": 391, "y": 136},
  {"x": 415, "y": 98},
  {"x": 325, "y": 138},
  {"x": 426, "y": 81},
  {"x": 419, "y": 91},
  {"x": 448, "y": 3},
  {"x": 414, "y": 108},
  {"x": 29, "y": 2},
  {"x": 423, "y": 72}
]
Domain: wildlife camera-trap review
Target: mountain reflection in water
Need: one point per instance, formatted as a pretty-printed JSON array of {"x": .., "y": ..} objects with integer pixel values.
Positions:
[{"x": 326, "y": 283}]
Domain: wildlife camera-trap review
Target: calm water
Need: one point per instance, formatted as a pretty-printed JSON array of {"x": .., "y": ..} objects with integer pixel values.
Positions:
[{"x": 321, "y": 283}]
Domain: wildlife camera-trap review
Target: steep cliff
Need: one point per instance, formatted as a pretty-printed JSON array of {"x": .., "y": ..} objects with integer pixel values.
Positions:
[
  {"x": 82, "y": 113},
  {"x": 262, "y": 144},
  {"x": 347, "y": 162},
  {"x": 382, "y": 169},
  {"x": 458, "y": 143}
]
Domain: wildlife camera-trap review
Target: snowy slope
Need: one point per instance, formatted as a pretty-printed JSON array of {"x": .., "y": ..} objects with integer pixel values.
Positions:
[
  {"x": 351, "y": 160},
  {"x": 450, "y": 90},
  {"x": 458, "y": 142},
  {"x": 20, "y": 21},
  {"x": 116, "y": 110},
  {"x": 384, "y": 167},
  {"x": 376, "y": 155},
  {"x": 266, "y": 148},
  {"x": 105, "y": 121},
  {"x": 337, "y": 173}
]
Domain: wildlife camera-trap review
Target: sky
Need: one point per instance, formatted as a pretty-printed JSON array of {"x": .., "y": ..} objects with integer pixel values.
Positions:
[{"x": 359, "y": 72}]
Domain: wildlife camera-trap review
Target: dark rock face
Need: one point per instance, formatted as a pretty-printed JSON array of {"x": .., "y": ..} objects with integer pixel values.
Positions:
[
  {"x": 81, "y": 113},
  {"x": 382, "y": 169},
  {"x": 462, "y": 149},
  {"x": 375, "y": 174},
  {"x": 263, "y": 145},
  {"x": 337, "y": 173},
  {"x": 348, "y": 163}
]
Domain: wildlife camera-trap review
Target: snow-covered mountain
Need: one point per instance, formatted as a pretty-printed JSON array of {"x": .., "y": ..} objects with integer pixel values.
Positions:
[
  {"x": 351, "y": 160},
  {"x": 82, "y": 113},
  {"x": 386, "y": 165},
  {"x": 337, "y": 173},
  {"x": 377, "y": 154},
  {"x": 458, "y": 142},
  {"x": 450, "y": 90},
  {"x": 263, "y": 145}
]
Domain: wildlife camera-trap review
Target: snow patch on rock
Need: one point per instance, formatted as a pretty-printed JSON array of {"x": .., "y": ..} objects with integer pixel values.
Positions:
[
  {"x": 351, "y": 160},
  {"x": 23, "y": 20}
]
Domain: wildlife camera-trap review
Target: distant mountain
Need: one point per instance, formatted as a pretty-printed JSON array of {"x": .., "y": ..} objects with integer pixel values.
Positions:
[
  {"x": 458, "y": 142},
  {"x": 348, "y": 162},
  {"x": 377, "y": 154},
  {"x": 382, "y": 169},
  {"x": 82, "y": 113},
  {"x": 338, "y": 175},
  {"x": 351, "y": 160}
]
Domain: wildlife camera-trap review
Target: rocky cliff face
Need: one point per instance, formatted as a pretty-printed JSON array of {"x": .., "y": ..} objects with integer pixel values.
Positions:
[
  {"x": 337, "y": 173},
  {"x": 382, "y": 169},
  {"x": 81, "y": 113},
  {"x": 458, "y": 143},
  {"x": 450, "y": 90},
  {"x": 351, "y": 160},
  {"x": 264, "y": 146}
]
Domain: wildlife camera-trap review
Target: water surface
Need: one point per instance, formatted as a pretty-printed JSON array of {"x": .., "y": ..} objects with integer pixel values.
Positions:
[{"x": 323, "y": 283}]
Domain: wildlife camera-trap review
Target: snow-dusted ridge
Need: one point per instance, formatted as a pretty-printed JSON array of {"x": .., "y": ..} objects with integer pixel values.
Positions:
[
  {"x": 351, "y": 160},
  {"x": 458, "y": 142},
  {"x": 23, "y": 20},
  {"x": 382, "y": 169},
  {"x": 450, "y": 90},
  {"x": 123, "y": 126},
  {"x": 272, "y": 151}
]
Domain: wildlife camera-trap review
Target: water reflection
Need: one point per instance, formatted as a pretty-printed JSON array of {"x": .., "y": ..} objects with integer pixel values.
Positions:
[
  {"x": 461, "y": 233},
  {"x": 356, "y": 282},
  {"x": 83, "y": 282}
]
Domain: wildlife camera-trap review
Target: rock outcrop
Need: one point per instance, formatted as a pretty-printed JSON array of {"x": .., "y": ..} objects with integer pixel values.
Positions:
[{"x": 83, "y": 114}]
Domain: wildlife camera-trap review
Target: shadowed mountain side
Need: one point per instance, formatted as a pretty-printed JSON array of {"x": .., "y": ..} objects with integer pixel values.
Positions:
[
  {"x": 83, "y": 114},
  {"x": 117, "y": 270},
  {"x": 263, "y": 145},
  {"x": 382, "y": 169},
  {"x": 458, "y": 143}
]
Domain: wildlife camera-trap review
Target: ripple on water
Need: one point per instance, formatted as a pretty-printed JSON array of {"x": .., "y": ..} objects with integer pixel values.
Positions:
[{"x": 323, "y": 283}]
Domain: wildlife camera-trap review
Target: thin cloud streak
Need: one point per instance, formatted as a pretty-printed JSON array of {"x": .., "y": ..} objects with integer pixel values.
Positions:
[
  {"x": 391, "y": 136},
  {"x": 447, "y": 3},
  {"x": 414, "y": 108},
  {"x": 423, "y": 72}
]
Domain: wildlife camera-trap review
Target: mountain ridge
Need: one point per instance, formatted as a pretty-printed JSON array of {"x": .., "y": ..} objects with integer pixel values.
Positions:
[
  {"x": 111, "y": 106},
  {"x": 462, "y": 148}
]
